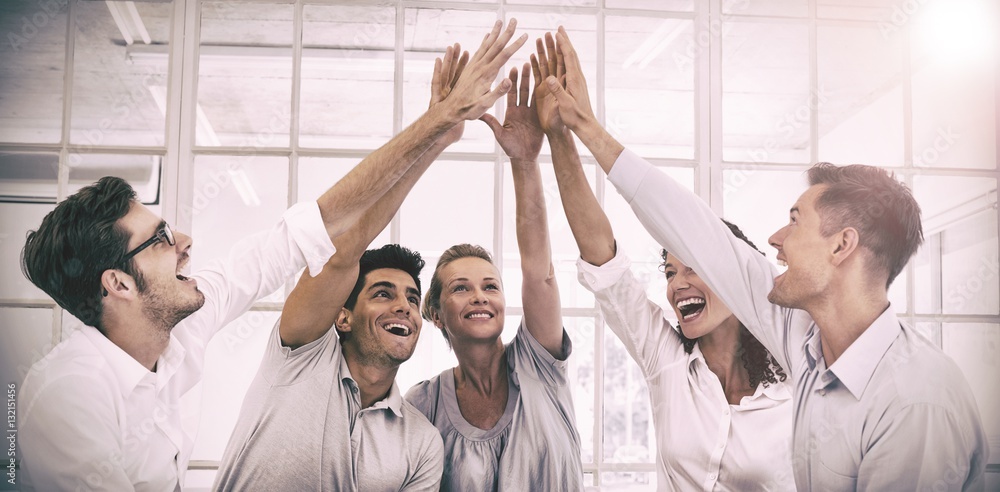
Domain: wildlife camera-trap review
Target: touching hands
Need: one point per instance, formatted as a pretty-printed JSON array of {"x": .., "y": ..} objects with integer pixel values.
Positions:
[
  {"x": 572, "y": 98},
  {"x": 470, "y": 96},
  {"x": 446, "y": 73},
  {"x": 520, "y": 135},
  {"x": 548, "y": 62}
]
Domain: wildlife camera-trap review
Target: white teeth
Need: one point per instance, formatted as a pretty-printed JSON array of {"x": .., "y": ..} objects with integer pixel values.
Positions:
[
  {"x": 782, "y": 263},
  {"x": 691, "y": 315},
  {"x": 405, "y": 329},
  {"x": 480, "y": 316},
  {"x": 690, "y": 300}
]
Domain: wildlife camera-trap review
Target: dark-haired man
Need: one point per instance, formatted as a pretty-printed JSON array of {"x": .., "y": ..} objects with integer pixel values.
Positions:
[
  {"x": 101, "y": 411},
  {"x": 324, "y": 411},
  {"x": 877, "y": 406}
]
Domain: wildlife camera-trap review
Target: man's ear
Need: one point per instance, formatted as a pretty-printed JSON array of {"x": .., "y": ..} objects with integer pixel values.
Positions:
[
  {"x": 343, "y": 323},
  {"x": 118, "y": 284},
  {"x": 844, "y": 244}
]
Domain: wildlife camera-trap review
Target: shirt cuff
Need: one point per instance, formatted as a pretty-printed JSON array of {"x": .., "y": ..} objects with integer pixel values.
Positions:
[
  {"x": 308, "y": 231},
  {"x": 597, "y": 278},
  {"x": 628, "y": 172}
]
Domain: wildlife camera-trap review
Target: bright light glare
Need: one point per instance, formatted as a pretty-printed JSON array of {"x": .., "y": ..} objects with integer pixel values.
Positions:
[{"x": 958, "y": 31}]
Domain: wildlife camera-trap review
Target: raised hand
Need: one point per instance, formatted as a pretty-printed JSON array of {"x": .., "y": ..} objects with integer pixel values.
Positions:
[
  {"x": 446, "y": 73},
  {"x": 520, "y": 135},
  {"x": 471, "y": 96},
  {"x": 548, "y": 62},
  {"x": 572, "y": 96}
]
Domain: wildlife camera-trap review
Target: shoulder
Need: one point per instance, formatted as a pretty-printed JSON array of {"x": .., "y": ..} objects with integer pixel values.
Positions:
[
  {"x": 422, "y": 397},
  {"x": 74, "y": 360}
]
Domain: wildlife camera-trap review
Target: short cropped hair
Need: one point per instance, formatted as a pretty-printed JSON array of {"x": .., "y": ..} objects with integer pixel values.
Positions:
[
  {"x": 872, "y": 201},
  {"x": 389, "y": 256},
  {"x": 76, "y": 243},
  {"x": 432, "y": 301}
]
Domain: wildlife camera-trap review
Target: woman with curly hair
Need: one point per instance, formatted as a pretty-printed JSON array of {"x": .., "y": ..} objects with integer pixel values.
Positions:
[{"x": 721, "y": 411}]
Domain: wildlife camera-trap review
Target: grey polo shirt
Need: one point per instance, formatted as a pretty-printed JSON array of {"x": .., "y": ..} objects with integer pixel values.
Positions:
[
  {"x": 893, "y": 413},
  {"x": 302, "y": 428}
]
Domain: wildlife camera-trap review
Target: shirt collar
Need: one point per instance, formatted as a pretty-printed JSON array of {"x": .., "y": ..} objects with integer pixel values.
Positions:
[
  {"x": 856, "y": 365},
  {"x": 775, "y": 391},
  {"x": 393, "y": 401},
  {"x": 128, "y": 371}
]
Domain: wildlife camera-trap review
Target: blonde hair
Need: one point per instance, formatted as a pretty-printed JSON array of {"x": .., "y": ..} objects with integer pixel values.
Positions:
[{"x": 432, "y": 301}]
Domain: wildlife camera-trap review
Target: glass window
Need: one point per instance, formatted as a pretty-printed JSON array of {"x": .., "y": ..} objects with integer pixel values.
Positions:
[
  {"x": 649, "y": 78},
  {"x": 860, "y": 96},
  {"x": 975, "y": 347},
  {"x": 234, "y": 197},
  {"x": 629, "y": 436},
  {"x": 348, "y": 61},
  {"x": 32, "y": 67},
  {"x": 766, "y": 103},
  {"x": 318, "y": 174},
  {"x": 120, "y": 73},
  {"x": 453, "y": 203},
  {"x": 244, "y": 75}
]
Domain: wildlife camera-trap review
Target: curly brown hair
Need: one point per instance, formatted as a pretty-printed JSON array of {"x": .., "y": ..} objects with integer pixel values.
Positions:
[{"x": 761, "y": 366}]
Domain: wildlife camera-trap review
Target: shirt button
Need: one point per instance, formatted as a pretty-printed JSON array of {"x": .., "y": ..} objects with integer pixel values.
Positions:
[
  {"x": 711, "y": 477},
  {"x": 726, "y": 412},
  {"x": 722, "y": 445},
  {"x": 822, "y": 392}
]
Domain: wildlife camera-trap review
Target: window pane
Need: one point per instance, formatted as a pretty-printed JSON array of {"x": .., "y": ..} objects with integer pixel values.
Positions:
[
  {"x": 234, "y": 197},
  {"x": 451, "y": 204},
  {"x": 628, "y": 428},
  {"x": 28, "y": 177},
  {"x": 650, "y": 84},
  {"x": 860, "y": 96},
  {"x": 630, "y": 481},
  {"x": 633, "y": 240},
  {"x": 317, "y": 175},
  {"x": 564, "y": 249},
  {"x": 975, "y": 347},
  {"x": 581, "y": 379},
  {"x": 954, "y": 112},
  {"x": 783, "y": 8},
  {"x": 16, "y": 219},
  {"x": 245, "y": 75},
  {"x": 27, "y": 336},
  {"x": 347, "y": 76},
  {"x": 766, "y": 104},
  {"x": 32, "y": 66},
  {"x": 675, "y": 5},
  {"x": 956, "y": 270},
  {"x": 120, "y": 87},
  {"x": 141, "y": 171},
  {"x": 427, "y": 33},
  {"x": 870, "y": 10},
  {"x": 231, "y": 361}
]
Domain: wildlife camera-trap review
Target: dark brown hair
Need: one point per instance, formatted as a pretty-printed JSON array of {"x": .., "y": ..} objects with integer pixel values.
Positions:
[{"x": 76, "y": 243}]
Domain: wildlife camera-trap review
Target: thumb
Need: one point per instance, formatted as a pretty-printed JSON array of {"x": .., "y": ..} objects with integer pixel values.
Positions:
[
  {"x": 493, "y": 123},
  {"x": 554, "y": 86}
]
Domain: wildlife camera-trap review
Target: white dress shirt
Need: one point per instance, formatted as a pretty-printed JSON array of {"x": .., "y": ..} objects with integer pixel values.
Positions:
[
  {"x": 702, "y": 441},
  {"x": 892, "y": 413},
  {"x": 93, "y": 418}
]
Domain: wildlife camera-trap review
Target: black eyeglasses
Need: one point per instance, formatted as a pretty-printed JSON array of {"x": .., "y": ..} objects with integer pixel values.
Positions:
[{"x": 162, "y": 234}]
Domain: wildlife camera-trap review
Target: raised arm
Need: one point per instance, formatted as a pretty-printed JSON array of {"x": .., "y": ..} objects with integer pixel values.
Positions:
[
  {"x": 521, "y": 138},
  {"x": 590, "y": 225},
  {"x": 343, "y": 204},
  {"x": 313, "y": 305},
  {"x": 679, "y": 220}
]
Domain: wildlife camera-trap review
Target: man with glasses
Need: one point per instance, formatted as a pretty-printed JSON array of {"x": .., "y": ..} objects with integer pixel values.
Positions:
[{"x": 101, "y": 410}]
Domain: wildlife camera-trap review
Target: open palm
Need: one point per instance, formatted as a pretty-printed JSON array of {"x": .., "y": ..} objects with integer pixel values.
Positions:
[{"x": 520, "y": 135}]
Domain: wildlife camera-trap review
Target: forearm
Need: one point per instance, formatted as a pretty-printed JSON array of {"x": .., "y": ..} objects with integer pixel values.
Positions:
[
  {"x": 314, "y": 303},
  {"x": 531, "y": 221},
  {"x": 604, "y": 146},
  {"x": 588, "y": 222},
  {"x": 343, "y": 204}
]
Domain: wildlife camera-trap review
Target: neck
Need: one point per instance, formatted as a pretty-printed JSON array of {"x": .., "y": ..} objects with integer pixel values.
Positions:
[
  {"x": 481, "y": 365},
  {"x": 139, "y": 337},
  {"x": 722, "y": 348},
  {"x": 374, "y": 380},
  {"x": 843, "y": 316}
]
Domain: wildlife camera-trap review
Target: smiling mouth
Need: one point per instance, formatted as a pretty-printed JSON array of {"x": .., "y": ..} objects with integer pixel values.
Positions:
[
  {"x": 479, "y": 315},
  {"x": 398, "y": 329},
  {"x": 691, "y": 307}
]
